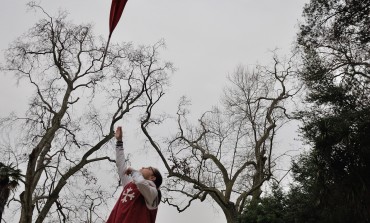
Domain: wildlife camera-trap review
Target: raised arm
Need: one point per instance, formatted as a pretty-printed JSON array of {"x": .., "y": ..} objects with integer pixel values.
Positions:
[{"x": 120, "y": 158}]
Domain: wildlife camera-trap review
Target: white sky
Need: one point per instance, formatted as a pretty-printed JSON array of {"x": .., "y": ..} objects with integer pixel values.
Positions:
[{"x": 206, "y": 40}]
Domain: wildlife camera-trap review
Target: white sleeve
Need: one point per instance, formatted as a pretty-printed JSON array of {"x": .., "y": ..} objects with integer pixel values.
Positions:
[
  {"x": 121, "y": 164},
  {"x": 147, "y": 188}
]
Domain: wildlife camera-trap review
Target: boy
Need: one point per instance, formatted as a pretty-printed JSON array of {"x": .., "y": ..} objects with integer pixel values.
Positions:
[{"x": 139, "y": 200}]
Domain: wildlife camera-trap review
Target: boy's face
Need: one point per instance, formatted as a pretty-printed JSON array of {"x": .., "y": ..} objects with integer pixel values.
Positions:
[{"x": 148, "y": 173}]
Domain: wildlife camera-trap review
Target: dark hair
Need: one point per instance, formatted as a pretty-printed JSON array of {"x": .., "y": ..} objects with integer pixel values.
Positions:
[
  {"x": 158, "y": 178},
  {"x": 158, "y": 182}
]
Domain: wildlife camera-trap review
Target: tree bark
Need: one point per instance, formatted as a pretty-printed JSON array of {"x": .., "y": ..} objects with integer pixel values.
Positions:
[{"x": 231, "y": 213}]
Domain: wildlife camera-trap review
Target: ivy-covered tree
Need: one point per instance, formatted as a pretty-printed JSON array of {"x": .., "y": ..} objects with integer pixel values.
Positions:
[{"x": 335, "y": 41}]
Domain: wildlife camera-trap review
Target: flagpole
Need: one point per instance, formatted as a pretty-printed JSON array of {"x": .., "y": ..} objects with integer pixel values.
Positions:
[{"x": 105, "y": 52}]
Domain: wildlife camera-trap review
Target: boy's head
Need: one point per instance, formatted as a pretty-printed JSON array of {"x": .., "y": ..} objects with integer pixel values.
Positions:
[{"x": 151, "y": 173}]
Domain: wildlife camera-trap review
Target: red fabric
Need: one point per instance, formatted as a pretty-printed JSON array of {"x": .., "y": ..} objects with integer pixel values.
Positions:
[
  {"x": 131, "y": 207},
  {"x": 116, "y": 10}
]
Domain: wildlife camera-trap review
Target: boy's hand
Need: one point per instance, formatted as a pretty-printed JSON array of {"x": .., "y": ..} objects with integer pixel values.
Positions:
[{"x": 118, "y": 133}]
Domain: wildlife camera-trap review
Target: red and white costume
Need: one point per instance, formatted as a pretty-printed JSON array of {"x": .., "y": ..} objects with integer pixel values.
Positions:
[{"x": 138, "y": 201}]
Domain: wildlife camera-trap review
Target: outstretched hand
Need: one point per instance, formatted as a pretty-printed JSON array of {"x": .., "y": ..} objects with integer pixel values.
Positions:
[{"x": 118, "y": 133}]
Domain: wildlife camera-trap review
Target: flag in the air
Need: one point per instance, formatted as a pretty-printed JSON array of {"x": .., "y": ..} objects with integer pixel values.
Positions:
[{"x": 116, "y": 10}]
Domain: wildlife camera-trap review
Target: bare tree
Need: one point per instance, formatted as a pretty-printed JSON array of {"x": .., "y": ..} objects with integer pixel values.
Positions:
[
  {"x": 72, "y": 113},
  {"x": 228, "y": 155}
]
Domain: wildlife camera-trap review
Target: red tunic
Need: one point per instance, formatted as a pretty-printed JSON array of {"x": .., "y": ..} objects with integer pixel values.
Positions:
[{"x": 131, "y": 207}]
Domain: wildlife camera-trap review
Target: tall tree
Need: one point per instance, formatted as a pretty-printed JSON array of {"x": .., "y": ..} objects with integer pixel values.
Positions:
[
  {"x": 335, "y": 41},
  {"x": 72, "y": 113},
  {"x": 229, "y": 154}
]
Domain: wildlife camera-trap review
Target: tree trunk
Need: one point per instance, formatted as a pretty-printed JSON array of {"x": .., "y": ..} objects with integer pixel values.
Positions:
[
  {"x": 258, "y": 178},
  {"x": 26, "y": 210},
  {"x": 231, "y": 213}
]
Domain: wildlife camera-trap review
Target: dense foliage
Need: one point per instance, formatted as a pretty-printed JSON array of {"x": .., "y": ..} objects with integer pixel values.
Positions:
[{"x": 335, "y": 41}]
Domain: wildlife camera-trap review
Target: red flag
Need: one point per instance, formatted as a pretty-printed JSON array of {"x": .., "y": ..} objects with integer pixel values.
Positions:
[{"x": 116, "y": 10}]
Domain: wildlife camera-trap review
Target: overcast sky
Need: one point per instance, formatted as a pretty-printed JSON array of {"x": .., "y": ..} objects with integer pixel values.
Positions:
[{"x": 206, "y": 40}]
